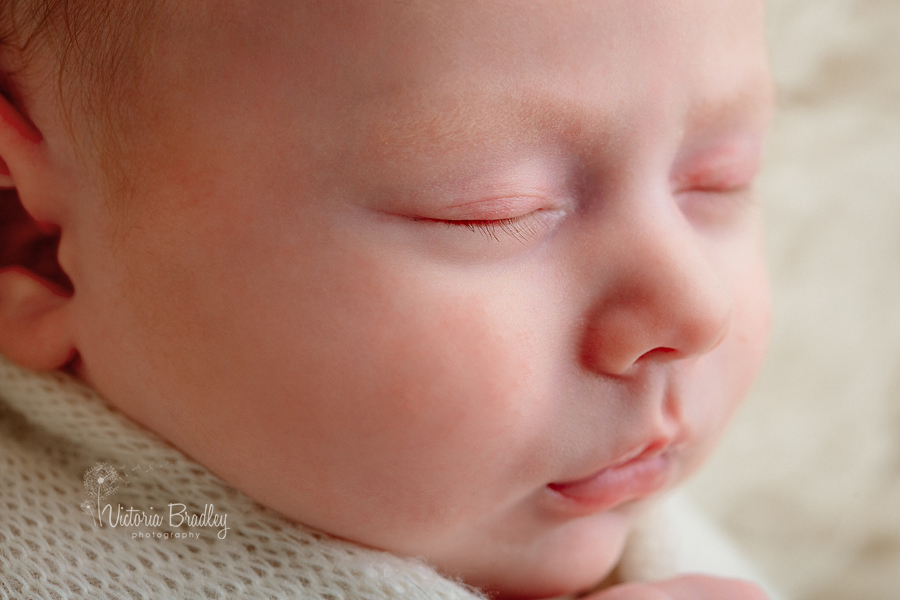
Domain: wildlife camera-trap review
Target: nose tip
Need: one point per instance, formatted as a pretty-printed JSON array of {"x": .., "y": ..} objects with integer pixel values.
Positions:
[{"x": 659, "y": 311}]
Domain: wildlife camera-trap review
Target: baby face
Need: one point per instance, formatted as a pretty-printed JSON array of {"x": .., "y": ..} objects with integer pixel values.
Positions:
[{"x": 464, "y": 280}]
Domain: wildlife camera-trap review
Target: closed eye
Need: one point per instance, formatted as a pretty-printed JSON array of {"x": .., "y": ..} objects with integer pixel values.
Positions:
[
  {"x": 730, "y": 170},
  {"x": 524, "y": 228}
]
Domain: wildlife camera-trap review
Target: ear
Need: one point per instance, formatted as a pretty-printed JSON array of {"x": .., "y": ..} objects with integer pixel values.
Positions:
[
  {"x": 35, "y": 294},
  {"x": 33, "y": 321}
]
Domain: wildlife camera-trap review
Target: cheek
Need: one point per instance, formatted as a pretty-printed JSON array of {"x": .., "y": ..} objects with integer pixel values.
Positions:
[
  {"x": 714, "y": 386},
  {"x": 752, "y": 316},
  {"x": 398, "y": 381}
]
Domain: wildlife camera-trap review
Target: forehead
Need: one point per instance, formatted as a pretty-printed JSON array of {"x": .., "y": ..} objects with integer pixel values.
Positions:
[
  {"x": 381, "y": 76},
  {"x": 389, "y": 46}
]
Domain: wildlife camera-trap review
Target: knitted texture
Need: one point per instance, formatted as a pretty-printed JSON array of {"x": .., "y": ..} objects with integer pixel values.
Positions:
[{"x": 53, "y": 430}]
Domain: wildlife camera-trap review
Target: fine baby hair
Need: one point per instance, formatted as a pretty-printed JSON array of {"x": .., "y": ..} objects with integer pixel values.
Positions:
[{"x": 375, "y": 299}]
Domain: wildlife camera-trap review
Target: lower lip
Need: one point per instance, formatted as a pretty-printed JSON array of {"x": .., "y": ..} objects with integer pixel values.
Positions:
[{"x": 638, "y": 478}]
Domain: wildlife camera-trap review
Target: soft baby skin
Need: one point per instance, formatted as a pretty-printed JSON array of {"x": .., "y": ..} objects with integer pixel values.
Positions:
[{"x": 465, "y": 280}]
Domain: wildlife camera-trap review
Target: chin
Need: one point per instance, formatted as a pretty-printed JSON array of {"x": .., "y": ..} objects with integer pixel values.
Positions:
[
  {"x": 540, "y": 585},
  {"x": 575, "y": 557}
]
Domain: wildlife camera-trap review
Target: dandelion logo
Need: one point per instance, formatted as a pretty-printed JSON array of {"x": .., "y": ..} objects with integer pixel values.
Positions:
[{"x": 100, "y": 481}]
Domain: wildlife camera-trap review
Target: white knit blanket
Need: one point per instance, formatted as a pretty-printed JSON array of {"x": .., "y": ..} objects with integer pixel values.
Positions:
[{"x": 70, "y": 465}]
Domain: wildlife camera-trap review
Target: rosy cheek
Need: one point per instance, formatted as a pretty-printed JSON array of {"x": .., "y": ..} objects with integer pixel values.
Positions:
[
  {"x": 760, "y": 321},
  {"x": 431, "y": 371},
  {"x": 751, "y": 322}
]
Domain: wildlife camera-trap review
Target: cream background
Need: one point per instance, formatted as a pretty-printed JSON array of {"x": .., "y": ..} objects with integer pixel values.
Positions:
[{"x": 808, "y": 477}]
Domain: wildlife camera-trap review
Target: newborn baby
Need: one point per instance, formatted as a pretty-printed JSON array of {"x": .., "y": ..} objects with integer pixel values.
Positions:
[{"x": 463, "y": 281}]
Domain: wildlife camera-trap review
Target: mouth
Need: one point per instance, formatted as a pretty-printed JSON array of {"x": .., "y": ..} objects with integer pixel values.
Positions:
[{"x": 638, "y": 474}]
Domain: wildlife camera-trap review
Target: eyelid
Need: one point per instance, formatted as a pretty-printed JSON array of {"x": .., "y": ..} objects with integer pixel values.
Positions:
[
  {"x": 523, "y": 228},
  {"x": 725, "y": 168},
  {"x": 718, "y": 178},
  {"x": 491, "y": 209}
]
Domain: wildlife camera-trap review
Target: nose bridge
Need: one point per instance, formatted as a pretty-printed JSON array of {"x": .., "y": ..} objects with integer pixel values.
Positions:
[{"x": 662, "y": 297}]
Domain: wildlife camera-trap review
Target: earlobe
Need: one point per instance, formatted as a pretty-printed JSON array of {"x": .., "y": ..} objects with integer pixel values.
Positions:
[
  {"x": 33, "y": 321},
  {"x": 35, "y": 294}
]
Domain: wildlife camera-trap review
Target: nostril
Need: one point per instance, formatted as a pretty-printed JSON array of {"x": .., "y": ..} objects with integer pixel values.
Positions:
[{"x": 659, "y": 354}]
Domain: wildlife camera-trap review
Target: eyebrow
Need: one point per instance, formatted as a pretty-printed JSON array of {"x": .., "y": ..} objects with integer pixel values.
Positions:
[
  {"x": 753, "y": 100},
  {"x": 749, "y": 101}
]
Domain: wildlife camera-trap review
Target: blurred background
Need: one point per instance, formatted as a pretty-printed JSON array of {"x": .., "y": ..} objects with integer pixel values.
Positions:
[{"x": 808, "y": 477}]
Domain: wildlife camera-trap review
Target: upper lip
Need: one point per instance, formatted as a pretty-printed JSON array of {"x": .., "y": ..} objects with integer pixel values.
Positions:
[{"x": 665, "y": 430}]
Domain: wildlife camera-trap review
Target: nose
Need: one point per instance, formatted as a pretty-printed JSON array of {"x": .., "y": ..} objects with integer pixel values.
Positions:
[{"x": 661, "y": 297}]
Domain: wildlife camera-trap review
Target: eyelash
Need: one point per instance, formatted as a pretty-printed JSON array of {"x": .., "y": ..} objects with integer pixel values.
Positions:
[{"x": 524, "y": 228}]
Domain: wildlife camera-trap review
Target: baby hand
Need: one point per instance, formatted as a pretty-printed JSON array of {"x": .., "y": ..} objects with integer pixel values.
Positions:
[{"x": 692, "y": 587}]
